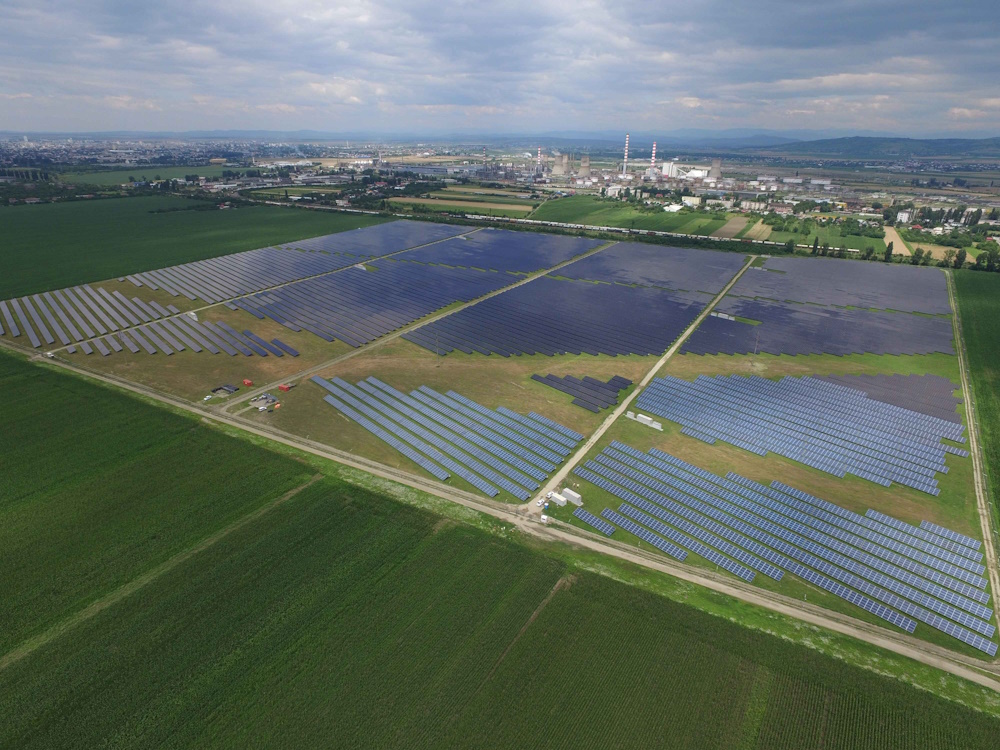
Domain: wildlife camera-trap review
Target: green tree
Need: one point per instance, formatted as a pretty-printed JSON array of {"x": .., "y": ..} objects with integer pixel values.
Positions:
[
  {"x": 917, "y": 257},
  {"x": 888, "y": 252},
  {"x": 960, "y": 258},
  {"x": 816, "y": 245}
]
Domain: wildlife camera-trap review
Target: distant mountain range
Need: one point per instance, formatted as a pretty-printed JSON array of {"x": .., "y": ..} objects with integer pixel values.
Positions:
[
  {"x": 890, "y": 148},
  {"x": 830, "y": 144}
]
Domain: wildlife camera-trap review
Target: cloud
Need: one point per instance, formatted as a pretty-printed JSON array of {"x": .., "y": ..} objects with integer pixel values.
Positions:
[{"x": 520, "y": 65}]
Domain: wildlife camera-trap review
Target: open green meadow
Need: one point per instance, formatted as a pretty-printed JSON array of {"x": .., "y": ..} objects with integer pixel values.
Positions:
[
  {"x": 978, "y": 295},
  {"x": 55, "y": 245},
  {"x": 98, "y": 488},
  {"x": 143, "y": 173},
  {"x": 586, "y": 209}
]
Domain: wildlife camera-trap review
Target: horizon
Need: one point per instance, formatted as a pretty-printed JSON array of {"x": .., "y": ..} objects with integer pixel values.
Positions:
[{"x": 521, "y": 69}]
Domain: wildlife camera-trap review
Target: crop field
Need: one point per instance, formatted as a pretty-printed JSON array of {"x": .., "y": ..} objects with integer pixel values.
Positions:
[
  {"x": 55, "y": 245},
  {"x": 281, "y": 192},
  {"x": 732, "y": 228},
  {"x": 341, "y": 618},
  {"x": 488, "y": 197},
  {"x": 87, "y": 509},
  {"x": 977, "y": 306},
  {"x": 444, "y": 205},
  {"x": 758, "y": 231},
  {"x": 144, "y": 173},
  {"x": 585, "y": 209},
  {"x": 832, "y": 236}
]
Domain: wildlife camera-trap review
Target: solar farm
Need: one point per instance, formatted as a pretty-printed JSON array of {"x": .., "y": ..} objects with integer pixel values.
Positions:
[{"x": 790, "y": 424}]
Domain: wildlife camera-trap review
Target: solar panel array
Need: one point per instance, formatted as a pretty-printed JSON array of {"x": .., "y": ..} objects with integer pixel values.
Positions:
[
  {"x": 448, "y": 434},
  {"x": 503, "y": 250},
  {"x": 929, "y": 394},
  {"x": 88, "y": 320},
  {"x": 552, "y": 316},
  {"x": 898, "y": 572},
  {"x": 830, "y": 427},
  {"x": 792, "y": 328},
  {"x": 358, "y": 305},
  {"x": 848, "y": 283},
  {"x": 218, "y": 279},
  {"x": 589, "y": 393},
  {"x": 675, "y": 268}
]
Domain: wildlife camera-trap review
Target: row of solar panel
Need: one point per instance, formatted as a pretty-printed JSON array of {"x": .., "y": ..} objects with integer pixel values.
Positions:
[
  {"x": 613, "y": 470},
  {"x": 804, "y": 402},
  {"x": 552, "y": 316},
  {"x": 940, "y": 572},
  {"x": 489, "y": 449},
  {"x": 218, "y": 279},
  {"x": 793, "y": 329},
  {"x": 589, "y": 393},
  {"x": 823, "y": 434},
  {"x": 759, "y": 437}
]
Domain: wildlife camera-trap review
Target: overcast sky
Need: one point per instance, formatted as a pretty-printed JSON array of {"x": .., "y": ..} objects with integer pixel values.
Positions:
[{"x": 436, "y": 66}]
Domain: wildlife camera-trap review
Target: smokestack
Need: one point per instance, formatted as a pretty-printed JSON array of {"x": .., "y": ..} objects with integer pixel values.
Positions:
[
  {"x": 652, "y": 159},
  {"x": 625, "y": 165},
  {"x": 538, "y": 166},
  {"x": 484, "y": 156}
]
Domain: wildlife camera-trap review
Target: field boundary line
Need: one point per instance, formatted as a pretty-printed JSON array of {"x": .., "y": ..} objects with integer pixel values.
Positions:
[
  {"x": 122, "y": 592},
  {"x": 564, "y": 471},
  {"x": 983, "y": 504}
]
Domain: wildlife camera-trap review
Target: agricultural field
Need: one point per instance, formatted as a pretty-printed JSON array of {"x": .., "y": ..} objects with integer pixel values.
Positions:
[
  {"x": 144, "y": 173},
  {"x": 296, "y": 190},
  {"x": 336, "y": 616},
  {"x": 461, "y": 205},
  {"x": 978, "y": 294},
  {"x": 830, "y": 235},
  {"x": 87, "y": 509},
  {"x": 450, "y": 193},
  {"x": 55, "y": 245},
  {"x": 585, "y": 209}
]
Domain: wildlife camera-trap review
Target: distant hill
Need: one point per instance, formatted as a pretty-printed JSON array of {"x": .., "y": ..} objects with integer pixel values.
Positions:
[{"x": 891, "y": 148}]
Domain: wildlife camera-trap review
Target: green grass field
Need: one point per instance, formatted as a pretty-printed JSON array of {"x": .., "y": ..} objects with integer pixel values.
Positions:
[
  {"x": 55, "y": 245},
  {"x": 978, "y": 307},
  {"x": 143, "y": 173},
  {"x": 340, "y": 618},
  {"x": 586, "y": 209},
  {"x": 832, "y": 236},
  {"x": 88, "y": 508}
]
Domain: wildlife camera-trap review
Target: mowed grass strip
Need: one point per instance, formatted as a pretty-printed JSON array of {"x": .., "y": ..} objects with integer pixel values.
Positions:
[
  {"x": 55, "y": 245},
  {"x": 99, "y": 488},
  {"x": 979, "y": 311},
  {"x": 342, "y": 619}
]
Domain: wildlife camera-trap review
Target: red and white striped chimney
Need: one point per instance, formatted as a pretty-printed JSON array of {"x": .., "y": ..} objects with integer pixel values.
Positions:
[
  {"x": 652, "y": 159},
  {"x": 625, "y": 165}
]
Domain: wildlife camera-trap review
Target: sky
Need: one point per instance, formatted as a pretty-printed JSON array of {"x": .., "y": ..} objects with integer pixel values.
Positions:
[{"x": 511, "y": 66}]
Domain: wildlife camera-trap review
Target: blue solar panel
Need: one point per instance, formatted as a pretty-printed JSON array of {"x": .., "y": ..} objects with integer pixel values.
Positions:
[{"x": 591, "y": 520}]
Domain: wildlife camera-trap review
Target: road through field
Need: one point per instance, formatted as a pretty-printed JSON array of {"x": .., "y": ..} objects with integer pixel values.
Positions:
[
  {"x": 564, "y": 470},
  {"x": 985, "y": 674}
]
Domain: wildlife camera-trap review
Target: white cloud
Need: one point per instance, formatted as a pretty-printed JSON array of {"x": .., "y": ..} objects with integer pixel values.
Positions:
[{"x": 524, "y": 65}]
